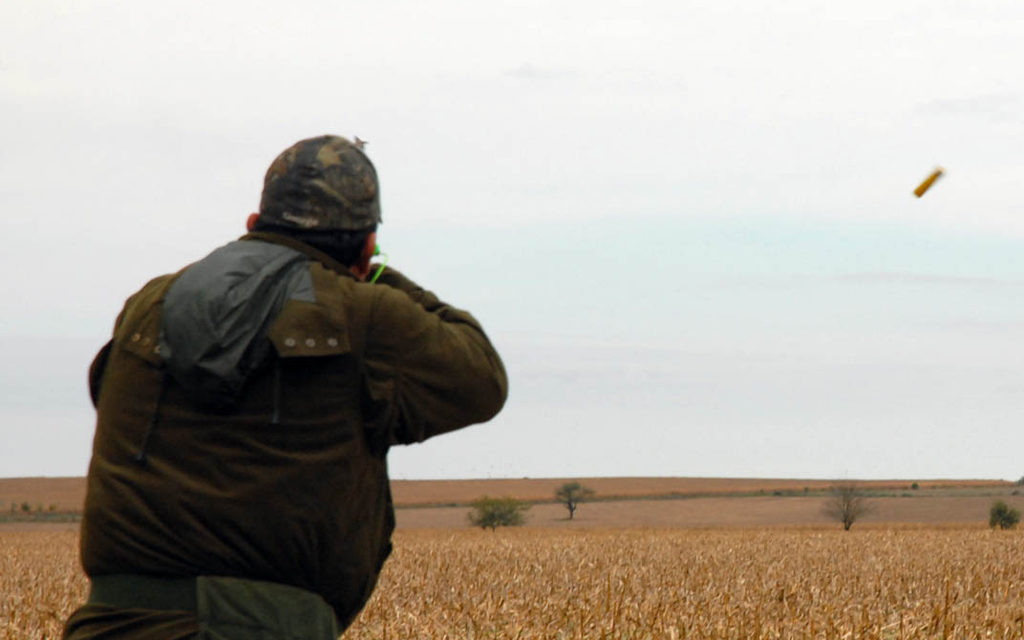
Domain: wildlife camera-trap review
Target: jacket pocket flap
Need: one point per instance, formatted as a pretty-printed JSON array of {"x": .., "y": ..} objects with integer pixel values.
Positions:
[
  {"x": 305, "y": 329},
  {"x": 140, "y": 335}
]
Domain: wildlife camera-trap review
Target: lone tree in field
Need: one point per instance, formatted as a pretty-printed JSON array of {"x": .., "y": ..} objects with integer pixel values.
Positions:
[
  {"x": 571, "y": 494},
  {"x": 491, "y": 513},
  {"x": 847, "y": 504},
  {"x": 1003, "y": 515}
]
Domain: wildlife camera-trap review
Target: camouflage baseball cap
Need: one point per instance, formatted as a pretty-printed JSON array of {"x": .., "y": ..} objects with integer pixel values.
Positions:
[{"x": 321, "y": 184}]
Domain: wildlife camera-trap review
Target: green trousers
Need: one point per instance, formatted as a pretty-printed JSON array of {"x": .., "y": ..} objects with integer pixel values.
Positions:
[{"x": 203, "y": 608}]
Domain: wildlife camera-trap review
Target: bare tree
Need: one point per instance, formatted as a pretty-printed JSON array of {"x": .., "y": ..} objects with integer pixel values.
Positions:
[
  {"x": 571, "y": 494},
  {"x": 847, "y": 504}
]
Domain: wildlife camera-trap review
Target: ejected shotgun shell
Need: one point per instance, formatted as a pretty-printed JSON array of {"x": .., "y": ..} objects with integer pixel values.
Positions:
[{"x": 928, "y": 182}]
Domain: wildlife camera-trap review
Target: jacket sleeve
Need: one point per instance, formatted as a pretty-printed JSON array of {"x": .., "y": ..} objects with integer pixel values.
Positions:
[
  {"x": 96, "y": 371},
  {"x": 430, "y": 368},
  {"x": 99, "y": 363}
]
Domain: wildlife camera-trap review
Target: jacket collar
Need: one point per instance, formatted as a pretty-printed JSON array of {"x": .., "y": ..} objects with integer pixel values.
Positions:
[{"x": 301, "y": 247}]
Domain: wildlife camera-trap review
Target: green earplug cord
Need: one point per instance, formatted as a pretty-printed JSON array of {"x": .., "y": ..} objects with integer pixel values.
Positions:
[{"x": 383, "y": 263}]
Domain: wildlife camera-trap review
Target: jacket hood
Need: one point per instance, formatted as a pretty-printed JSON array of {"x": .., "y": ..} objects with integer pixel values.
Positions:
[{"x": 217, "y": 313}]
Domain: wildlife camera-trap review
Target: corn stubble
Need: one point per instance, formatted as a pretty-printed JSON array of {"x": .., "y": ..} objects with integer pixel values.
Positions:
[
  {"x": 619, "y": 584},
  {"x": 40, "y": 582}
]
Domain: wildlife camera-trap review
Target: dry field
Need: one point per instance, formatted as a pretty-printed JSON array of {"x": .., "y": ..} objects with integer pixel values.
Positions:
[
  {"x": 40, "y": 580},
  {"x": 68, "y": 494},
  {"x": 873, "y": 582}
]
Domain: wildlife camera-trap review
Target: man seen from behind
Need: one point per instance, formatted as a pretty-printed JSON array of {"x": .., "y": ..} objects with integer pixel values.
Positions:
[{"x": 238, "y": 486}]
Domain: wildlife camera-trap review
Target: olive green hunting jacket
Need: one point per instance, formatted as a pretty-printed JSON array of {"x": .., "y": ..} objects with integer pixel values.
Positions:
[{"x": 245, "y": 408}]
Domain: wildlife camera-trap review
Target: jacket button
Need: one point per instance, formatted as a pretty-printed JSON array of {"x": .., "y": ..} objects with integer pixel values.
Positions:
[
  {"x": 332, "y": 342},
  {"x": 136, "y": 337},
  {"x": 310, "y": 342},
  {"x": 289, "y": 342}
]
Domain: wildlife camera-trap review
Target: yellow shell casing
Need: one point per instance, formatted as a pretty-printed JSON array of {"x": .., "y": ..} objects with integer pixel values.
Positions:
[{"x": 928, "y": 182}]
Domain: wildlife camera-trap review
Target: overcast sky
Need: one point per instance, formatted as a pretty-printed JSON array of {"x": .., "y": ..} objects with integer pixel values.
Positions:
[{"x": 687, "y": 226}]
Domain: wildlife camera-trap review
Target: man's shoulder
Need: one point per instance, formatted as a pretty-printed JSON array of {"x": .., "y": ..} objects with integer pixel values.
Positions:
[
  {"x": 151, "y": 294},
  {"x": 138, "y": 327},
  {"x": 362, "y": 305}
]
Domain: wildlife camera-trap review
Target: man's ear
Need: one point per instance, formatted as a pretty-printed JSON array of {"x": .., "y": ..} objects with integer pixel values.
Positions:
[
  {"x": 250, "y": 222},
  {"x": 362, "y": 267}
]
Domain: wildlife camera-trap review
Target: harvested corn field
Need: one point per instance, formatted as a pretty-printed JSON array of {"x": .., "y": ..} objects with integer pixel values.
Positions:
[
  {"x": 40, "y": 580},
  {"x": 962, "y": 582}
]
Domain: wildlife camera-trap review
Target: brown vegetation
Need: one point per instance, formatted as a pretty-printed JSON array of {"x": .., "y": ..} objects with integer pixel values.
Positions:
[
  {"x": 40, "y": 580},
  {"x": 913, "y": 583},
  {"x": 962, "y": 583}
]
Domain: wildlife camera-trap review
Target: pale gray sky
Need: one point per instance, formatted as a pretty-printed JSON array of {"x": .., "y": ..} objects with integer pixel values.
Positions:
[{"x": 687, "y": 226}]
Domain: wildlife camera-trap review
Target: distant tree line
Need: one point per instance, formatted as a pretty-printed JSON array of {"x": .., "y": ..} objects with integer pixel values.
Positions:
[
  {"x": 848, "y": 502},
  {"x": 26, "y": 507}
]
